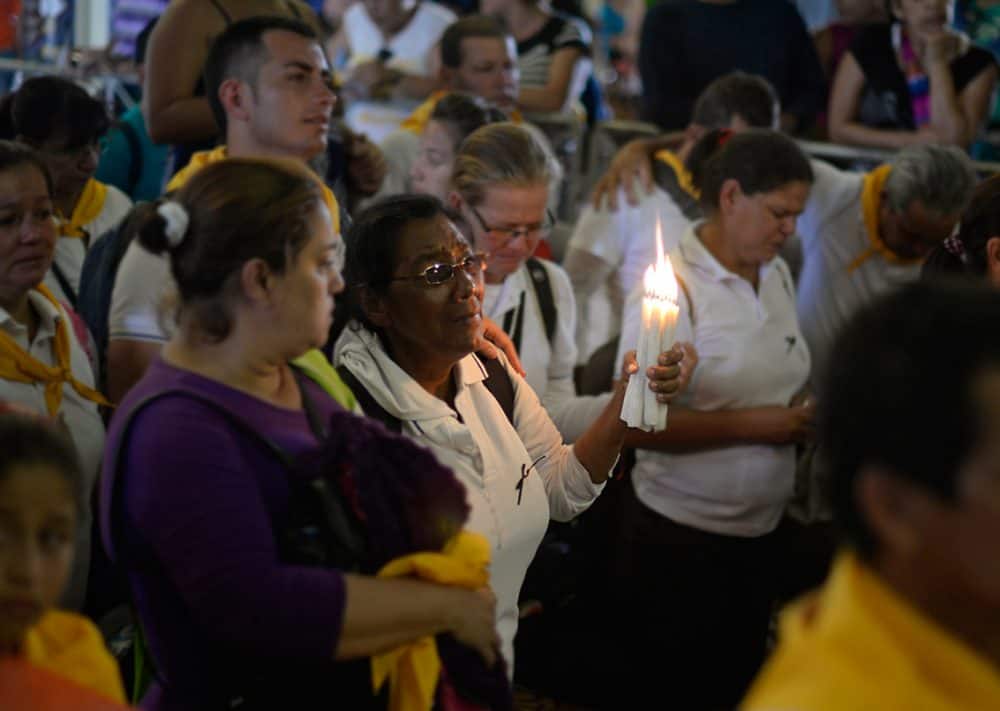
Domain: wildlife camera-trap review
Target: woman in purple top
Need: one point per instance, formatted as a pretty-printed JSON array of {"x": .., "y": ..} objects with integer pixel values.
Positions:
[{"x": 198, "y": 500}]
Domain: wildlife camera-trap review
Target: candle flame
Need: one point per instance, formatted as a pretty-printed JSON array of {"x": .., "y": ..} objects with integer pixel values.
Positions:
[{"x": 660, "y": 282}]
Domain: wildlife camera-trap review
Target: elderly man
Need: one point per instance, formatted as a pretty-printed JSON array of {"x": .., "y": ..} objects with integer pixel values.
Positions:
[
  {"x": 911, "y": 418},
  {"x": 864, "y": 234}
]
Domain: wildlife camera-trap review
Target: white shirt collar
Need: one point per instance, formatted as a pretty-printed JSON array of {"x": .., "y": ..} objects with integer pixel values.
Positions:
[
  {"x": 696, "y": 254},
  {"x": 49, "y": 317}
]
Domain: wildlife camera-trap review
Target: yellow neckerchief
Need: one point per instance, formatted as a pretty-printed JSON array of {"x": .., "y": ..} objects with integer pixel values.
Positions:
[
  {"x": 417, "y": 121},
  {"x": 87, "y": 208},
  {"x": 684, "y": 179},
  {"x": 18, "y": 365},
  {"x": 413, "y": 669},
  {"x": 203, "y": 158},
  {"x": 69, "y": 646},
  {"x": 871, "y": 202}
]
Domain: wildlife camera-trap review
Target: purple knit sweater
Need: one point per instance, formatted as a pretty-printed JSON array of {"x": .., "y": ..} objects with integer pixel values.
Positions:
[{"x": 198, "y": 502}]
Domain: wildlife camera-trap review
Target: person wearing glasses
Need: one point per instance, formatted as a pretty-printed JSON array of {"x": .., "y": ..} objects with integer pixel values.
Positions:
[
  {"x": 415, "y": 291},
  {"x": 500, "y": 190}
]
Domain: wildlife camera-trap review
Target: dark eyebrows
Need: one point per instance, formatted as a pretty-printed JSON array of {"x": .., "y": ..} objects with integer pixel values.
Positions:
[{"x": 306, "y": 67}]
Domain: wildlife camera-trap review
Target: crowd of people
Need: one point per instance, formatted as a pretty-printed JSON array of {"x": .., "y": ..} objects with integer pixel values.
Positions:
[{"x": 302, "y": 402}]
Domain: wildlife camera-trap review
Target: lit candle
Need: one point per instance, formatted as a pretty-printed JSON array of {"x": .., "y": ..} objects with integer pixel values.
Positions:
[{"x": 659, "y": 323}]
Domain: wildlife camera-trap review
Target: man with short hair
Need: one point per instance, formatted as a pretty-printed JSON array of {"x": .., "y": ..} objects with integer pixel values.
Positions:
[
  {"x": 611, "y": 247},
  {"x": 910, "y": 417},
  {"x": 864, "y": 234},
  {"x": 479, "y": 57},
  {"x": 269, "y": 86}
]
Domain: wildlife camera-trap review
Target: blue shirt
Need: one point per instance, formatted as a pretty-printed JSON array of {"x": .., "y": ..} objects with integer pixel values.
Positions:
[{"x": 119, "y": 156}]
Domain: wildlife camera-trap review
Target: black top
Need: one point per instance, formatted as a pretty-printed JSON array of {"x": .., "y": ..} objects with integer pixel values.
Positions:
[
  {"x": 686, "y": 44},
  {"x": 885, "y": 98}
]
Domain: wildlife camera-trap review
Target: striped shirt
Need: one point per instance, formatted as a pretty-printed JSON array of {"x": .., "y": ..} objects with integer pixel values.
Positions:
[{"x": 534, "y": 55}]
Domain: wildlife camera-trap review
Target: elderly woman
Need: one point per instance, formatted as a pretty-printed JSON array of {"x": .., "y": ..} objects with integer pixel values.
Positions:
[
  {"x": 44, "y": 366},
  {"x": 193, "y": 504},
  {"x": 416, "y": 290},
  {"x": 701, "y": 543},
  {"x": 912, "y": 81}
]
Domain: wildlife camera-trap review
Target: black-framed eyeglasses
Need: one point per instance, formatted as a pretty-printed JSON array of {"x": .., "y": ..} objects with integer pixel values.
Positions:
[
  {"x": 441, "y": 272},
  {"x": 503, "y": 235}
]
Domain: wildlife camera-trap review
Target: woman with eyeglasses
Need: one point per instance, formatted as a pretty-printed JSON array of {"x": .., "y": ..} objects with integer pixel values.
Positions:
[
  {"x": 415, "y": 290},
  {"x": 500, "y": 189}
]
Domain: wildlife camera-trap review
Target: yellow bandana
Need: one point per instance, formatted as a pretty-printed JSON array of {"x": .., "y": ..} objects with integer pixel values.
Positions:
[
  {"x": 202, "y": 158},
  {"x": 88, "y": 207},
  {"x": 18, "y": 365},
  {"x": 417, "y": 121},
  {"x": 413, "y": 669},
  {"x": 684, "y": 179},
  {"x": 871, "y": 202}
]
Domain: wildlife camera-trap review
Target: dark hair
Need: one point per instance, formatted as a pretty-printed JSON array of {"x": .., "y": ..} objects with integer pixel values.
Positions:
[
  {"x": 238, "y": 209},
  {"x": 749, "y": 96},
  {"x": 759, "y": 160},
  {"x": 965, "y": 253},
  {"x": 892, "y": 402},
  {"x": 706, "y": 147},
  {"x": 467, "y": 28},
  {"x": 373, "y": 245},
  {"x": 239, "y": 52},
  {"x": 142, "y": 40},
  {"x": 14, "y": 155},
  {"x": 47, "y": 107},
  {"x": 464, "y": 113},
  {"x": 27, "y": 440}
]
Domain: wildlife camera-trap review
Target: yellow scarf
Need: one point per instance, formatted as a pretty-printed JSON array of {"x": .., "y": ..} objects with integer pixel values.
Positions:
[
  {"x": 417, "y": 121},
  {"x": 684, "y": 179},
  {"x": 871, "y": 202},
  {"x": 413, "y": 669},
  {"x": 203, "y": 158},
  {"x": 87, "y": 208},
  {"x": 69, "y": 646},
  {"x": 18, "y": 365}
]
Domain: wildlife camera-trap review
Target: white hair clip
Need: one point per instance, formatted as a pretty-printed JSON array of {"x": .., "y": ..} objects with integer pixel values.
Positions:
[{"x": 176, "y": 217}]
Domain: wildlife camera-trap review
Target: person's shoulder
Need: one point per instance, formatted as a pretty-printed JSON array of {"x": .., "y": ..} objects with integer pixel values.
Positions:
[
  {"x": 871, "y": 38},
  {"x": 557, "y": 275},
  {"x": 973, "y": 61}
]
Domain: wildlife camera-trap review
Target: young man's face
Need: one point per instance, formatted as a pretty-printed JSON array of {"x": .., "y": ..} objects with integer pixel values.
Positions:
[
  {"x": 293, "y": 98},
  {"x": 488, "y": 69}
]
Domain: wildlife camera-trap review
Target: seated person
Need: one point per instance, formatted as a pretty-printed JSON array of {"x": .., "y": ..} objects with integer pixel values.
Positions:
[
  {"x": 686, "y": 44},
  {"x": 130, "y": 160},
  {"x": 65, "y": 125},
  {"x": 42, "y": 503},
  {"x": 478, "y": 57},
  {"x": 610, "y": 248},
  {"x": 912, "y": 81},
  {"x": 391, "y": 64},
  {"x": 416, "y": 291},
  {"x": 553, "y": 53},
  {"x": 44, "y": 366},
  {"x": 907, "y": 619}
]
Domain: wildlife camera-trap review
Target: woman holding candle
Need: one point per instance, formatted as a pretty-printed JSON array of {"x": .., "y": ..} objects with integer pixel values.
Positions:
[
  {"x": 415, "y": 288},
  {"x": 701, "y": 533}
]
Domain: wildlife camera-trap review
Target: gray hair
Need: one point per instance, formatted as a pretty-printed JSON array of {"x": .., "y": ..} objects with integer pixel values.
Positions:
[{"x": 941, "y": 178}]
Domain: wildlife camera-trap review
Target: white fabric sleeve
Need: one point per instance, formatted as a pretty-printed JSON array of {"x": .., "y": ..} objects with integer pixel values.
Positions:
[{"x": 142, "y": 287}]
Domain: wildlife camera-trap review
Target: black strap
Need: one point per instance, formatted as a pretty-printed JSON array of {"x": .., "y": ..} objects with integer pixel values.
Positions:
[
  {"x": 499, "y": 384},
  {"x": 543, "y": 292},
  {"x": 514, "y": 328},
  {"x": 368, "y": 403},
  {"x": 222, "y": 11},
  {"x": 294, "y": 8},
  {"x": 135, "y": 155},
  {"x": 64, "y": 284}
]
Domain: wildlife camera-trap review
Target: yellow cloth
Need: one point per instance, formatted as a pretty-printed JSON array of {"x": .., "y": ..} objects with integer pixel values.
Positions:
[
  {"x": 315, "y": 365},
  {"x": 871, "y": 202},
  {"x": 680, "y": 170},
  {"x": 70, "y": 646},
  {"x": 417, "y": 121},
  {"x": 87, "y": 208},
  {"x": 413, "y": 669},
  {"x": 18, "y": 365},
  {"x": 202, "y": 158},
  {"x": 856, "y": 645}
]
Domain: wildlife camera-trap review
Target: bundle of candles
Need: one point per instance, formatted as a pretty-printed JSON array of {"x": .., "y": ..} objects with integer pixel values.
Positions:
[{"x": 659, "y": 323}]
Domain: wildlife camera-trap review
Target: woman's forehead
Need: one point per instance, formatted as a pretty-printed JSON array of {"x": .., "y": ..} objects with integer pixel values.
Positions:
[{"x": 431, "y": 237}]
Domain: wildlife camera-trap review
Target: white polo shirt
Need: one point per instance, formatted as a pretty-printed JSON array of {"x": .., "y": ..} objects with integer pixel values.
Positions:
[
  {"x": 624, "y": 242},
  {"x": 141, "y": 297},
  {"x": 71, "y": 251},
  {"x": 751, "y": 354},
  {"x": 486, "y": 453},
  {"x": 80, "y": 416},
  {"x": 549, "y": 366},
  {"x": 833, "y": 236}
]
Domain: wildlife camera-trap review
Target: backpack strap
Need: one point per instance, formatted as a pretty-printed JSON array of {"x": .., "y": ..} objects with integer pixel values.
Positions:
[
  {"x": 499, "y": 384},
  {"x": 543, "y": 291},
  {"x": 64, "y": 284},
  {"x": 135, "y": 153},
  {"x": 368, "y": 403}
]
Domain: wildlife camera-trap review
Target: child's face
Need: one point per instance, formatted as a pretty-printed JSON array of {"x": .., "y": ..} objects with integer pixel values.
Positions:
[{"x": 37, "y": 530}]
